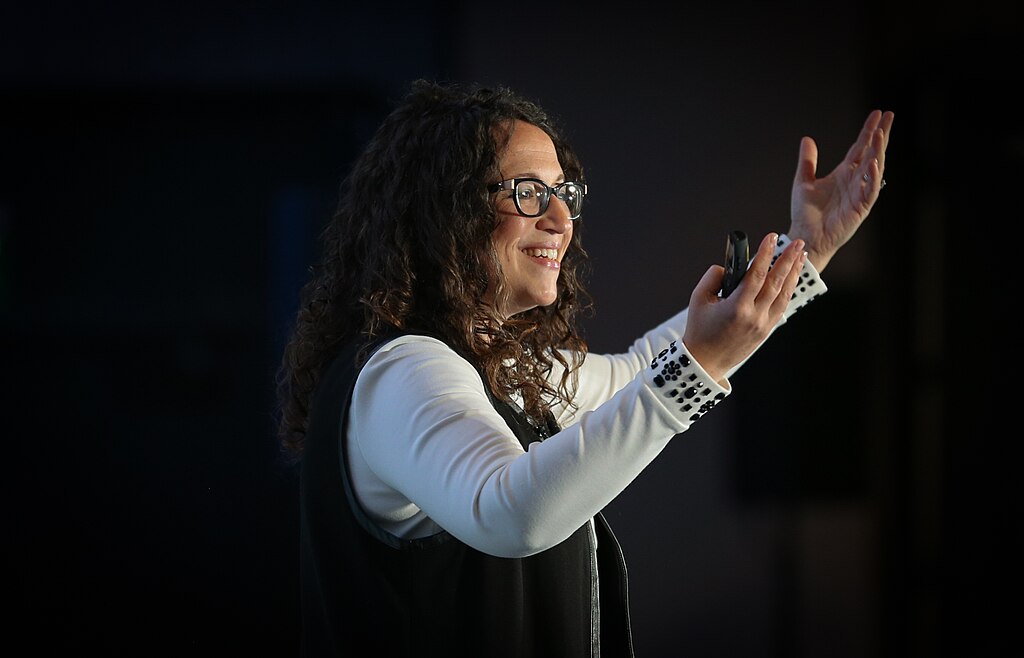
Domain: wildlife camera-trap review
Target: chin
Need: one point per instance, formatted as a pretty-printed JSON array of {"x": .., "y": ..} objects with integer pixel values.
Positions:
[
  {"x": 547, "y": 303},
  {"x": 523, "y": 308}
]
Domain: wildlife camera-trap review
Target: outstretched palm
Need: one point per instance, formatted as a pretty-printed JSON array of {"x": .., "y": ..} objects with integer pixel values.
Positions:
[{"x": 826, "y": 212}]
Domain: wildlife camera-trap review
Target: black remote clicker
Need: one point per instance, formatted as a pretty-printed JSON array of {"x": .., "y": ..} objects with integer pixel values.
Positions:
[{"x": 737, "y": 257}]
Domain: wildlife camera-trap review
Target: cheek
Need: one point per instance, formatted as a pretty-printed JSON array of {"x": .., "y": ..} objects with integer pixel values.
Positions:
[
  {"x": 505, "y": 237},
  {"x": 567, "y": 243}
]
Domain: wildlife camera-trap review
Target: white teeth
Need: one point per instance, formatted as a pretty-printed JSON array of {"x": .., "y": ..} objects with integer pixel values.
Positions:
[{"x": 542, "y": 253}]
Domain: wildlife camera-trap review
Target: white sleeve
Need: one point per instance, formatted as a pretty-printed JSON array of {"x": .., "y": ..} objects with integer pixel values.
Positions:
[{"x": 432, "y": 444}]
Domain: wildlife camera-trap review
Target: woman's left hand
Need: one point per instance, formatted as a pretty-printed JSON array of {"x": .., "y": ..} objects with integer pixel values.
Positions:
[{"x": 826, "y": 212}]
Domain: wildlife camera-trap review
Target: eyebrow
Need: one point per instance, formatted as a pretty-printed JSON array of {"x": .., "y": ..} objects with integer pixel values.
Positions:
[{"x": 532, "y": 174}]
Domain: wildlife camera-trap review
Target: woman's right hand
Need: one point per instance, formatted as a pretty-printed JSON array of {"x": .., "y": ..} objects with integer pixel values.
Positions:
[{"x": 722, "y": 332}]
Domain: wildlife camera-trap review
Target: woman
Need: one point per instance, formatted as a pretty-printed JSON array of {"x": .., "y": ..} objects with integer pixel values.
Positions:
[{"x": 457, "y": 441}]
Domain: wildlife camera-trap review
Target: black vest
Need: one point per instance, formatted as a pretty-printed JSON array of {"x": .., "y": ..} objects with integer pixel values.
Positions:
[{"x": 367, "y": 592}]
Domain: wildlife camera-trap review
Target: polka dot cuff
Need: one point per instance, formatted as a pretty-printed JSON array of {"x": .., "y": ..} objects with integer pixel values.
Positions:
[
  {"x": 682, "y": 384},
  {"x": 809, "y": 287}
]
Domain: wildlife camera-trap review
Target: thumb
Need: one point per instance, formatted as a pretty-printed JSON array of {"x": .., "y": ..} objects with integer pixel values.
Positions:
[
  {"x": 807, "y": 165},
  {"x": 709, "y": 285}
]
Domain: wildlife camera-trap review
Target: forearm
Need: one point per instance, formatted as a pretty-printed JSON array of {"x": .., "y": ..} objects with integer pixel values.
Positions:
[{"x": 435, "y": 450}]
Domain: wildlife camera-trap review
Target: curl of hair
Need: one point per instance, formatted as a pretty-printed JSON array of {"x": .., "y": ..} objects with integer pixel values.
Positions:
[{"x": 409, "y": 247}]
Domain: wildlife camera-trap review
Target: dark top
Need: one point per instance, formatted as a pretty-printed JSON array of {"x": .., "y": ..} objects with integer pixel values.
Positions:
[{"x": 368, "y": 592}]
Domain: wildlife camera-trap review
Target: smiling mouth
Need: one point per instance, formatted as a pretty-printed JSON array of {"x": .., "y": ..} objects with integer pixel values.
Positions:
[{"x": 542, "y": 254}]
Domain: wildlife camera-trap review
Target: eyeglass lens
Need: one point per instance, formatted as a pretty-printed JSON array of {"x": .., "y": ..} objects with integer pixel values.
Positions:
[{"x": 533, "y": 196}]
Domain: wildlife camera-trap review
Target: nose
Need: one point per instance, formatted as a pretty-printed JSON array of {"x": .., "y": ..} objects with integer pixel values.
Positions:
[{"x": 555, "y": 218}]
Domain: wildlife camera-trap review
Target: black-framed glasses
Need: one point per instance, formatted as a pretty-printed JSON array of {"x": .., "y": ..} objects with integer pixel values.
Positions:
[{"x": 532, "y": 195}]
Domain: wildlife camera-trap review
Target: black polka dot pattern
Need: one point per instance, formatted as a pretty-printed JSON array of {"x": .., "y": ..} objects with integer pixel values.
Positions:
[{"x": 679, "y": 380}]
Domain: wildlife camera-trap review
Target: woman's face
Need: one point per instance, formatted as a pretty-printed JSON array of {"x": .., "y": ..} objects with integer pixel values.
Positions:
[{"x": 530, "y": 248}]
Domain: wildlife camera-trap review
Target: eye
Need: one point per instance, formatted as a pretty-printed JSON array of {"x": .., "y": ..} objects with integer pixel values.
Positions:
[
  {"x": 528, "y": 190},
  {"x": 569, "y": 192}
]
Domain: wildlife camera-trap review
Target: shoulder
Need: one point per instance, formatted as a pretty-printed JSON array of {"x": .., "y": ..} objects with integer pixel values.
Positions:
[
  {"x": 413, "y": 347},
  {"x": 424, "y": 362}
]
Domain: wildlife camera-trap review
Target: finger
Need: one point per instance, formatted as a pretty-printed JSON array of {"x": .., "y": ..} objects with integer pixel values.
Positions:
[
  {"x": 878, "y": 146},
  {"x": 886, "y": 124},
  {"x": 807, "y": 164},
  {"x": 709, "y": 285},
  {"x": 881, "y": 139},
  {"x": 757, "y": 272},
  {"x": 871, "y": 170},
  {"x": 779, "y": 275},
  {"x": 766, "y": 251},
  {"x": 855, "y": 156},
  {"x": 872, "y": 181},
  {"x": 873, "y": 176},
  {"x": 788, "y": 287}
]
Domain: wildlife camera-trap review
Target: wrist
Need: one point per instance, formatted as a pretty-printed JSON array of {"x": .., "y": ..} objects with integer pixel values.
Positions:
[{"x": 816, "y": 257}]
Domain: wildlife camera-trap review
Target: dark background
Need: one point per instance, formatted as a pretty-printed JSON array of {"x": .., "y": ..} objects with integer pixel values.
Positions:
[{"x": 165, "y": 168}]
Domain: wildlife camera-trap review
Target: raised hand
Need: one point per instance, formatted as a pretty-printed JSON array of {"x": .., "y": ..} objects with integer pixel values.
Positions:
[{"x": 826, "y": 212}]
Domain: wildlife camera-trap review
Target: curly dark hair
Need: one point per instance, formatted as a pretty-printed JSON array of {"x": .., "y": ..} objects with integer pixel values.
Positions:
[{"x": 409, "y": 247}]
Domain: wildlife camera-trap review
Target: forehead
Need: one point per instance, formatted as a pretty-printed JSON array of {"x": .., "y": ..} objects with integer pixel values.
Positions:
[{"x": 529, "y": 150}]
